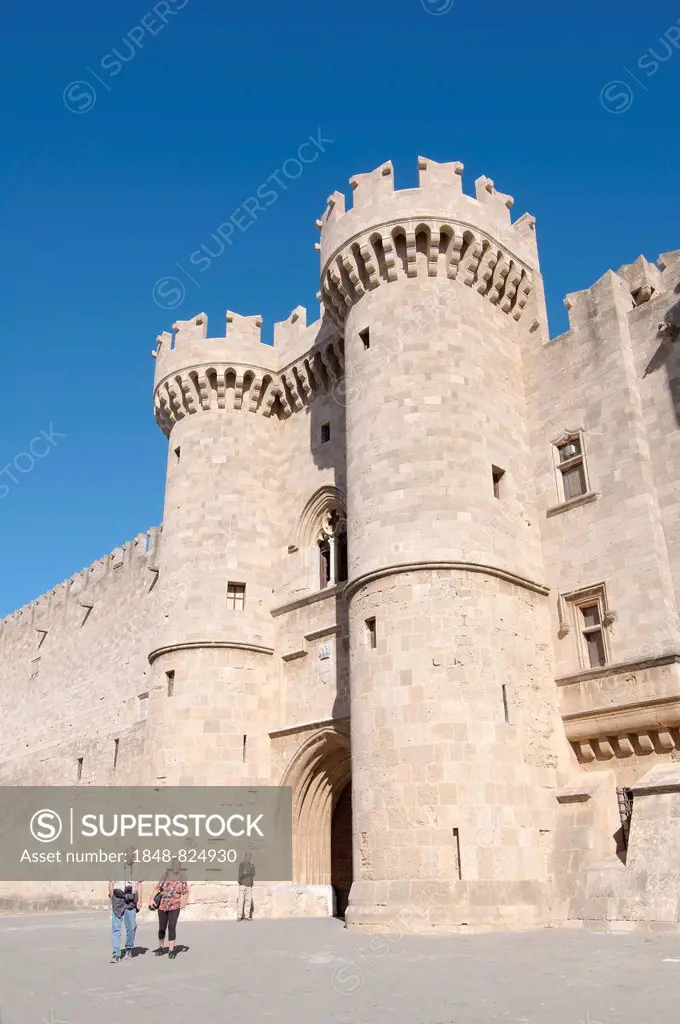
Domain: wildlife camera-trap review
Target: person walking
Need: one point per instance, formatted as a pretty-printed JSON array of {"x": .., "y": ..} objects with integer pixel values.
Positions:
[
  {"x": 174, "y": 896},
  {"x": 126, "y": 900},
  {"x": 246, "y": 876}
]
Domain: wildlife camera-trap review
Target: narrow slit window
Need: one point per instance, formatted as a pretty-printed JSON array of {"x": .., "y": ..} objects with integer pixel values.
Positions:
[
  {"x": 143, "y": 707},
  {"x": 456, "y": 853},
  {"x": 170, "y": 679},
  {"x": 236, "y": 596},
  {"x": 365, "y": 338},
  {"x": 496, "y": 477},
  {"x": 506, "y": 710},
  {"x": 79, "y": 770},
  {"x": 325, "y": 432},
  {"x": 116, "y": 745},
  {"x": 177, "y": 452},
  {"x": 371, "y": 633},
  {"x": 324, "y": 563},
  {"x": 245, "y": 741}
]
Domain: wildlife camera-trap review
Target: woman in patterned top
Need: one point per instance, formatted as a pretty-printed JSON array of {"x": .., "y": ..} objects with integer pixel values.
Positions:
[{"x": 174, "y": 892}]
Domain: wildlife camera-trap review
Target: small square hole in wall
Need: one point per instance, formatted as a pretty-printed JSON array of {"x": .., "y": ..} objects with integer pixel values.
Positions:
[
  {"x": 170, "y": 679},
  {"x": 365, "y": 338},
  {"x": 371, "y": 634},
  {"x": 143, "y": 707},
  {"x": 236, "y": 596},
  {"x": 496, "y": 476},
  {"x": 325, "y": 432},
  {"x": 177, "y": 452}
]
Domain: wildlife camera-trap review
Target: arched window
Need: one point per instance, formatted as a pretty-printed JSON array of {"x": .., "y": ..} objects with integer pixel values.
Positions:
[{"x": 332, "y": 544}]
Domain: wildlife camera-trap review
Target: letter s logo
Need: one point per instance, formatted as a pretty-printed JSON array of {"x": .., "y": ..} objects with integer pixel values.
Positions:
[{"x": 46, "y": 826}]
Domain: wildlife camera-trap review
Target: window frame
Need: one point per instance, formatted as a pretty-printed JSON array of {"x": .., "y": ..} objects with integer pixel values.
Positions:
[
  {"x": 563, "y": 466},
  {"x": 578, "y": 600},
  {"x": 239, "y": 592}
]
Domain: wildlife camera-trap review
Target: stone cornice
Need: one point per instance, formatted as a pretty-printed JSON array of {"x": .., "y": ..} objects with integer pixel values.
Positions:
[
  {"x": 619, "y": 668},
  {"x": 233, "y": 385},
  {"x": 353, "y": 586},
  {"x": 424, "y": 245},
  {"x": 655, "y": 713},
  {"x": 325, "y": 723},
  {"x": 303, "y": 602},
  {"x": 208, "y": 644}
]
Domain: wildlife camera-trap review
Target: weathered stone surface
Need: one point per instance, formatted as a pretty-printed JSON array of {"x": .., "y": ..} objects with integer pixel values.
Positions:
[{"x": 421, "y": 418}]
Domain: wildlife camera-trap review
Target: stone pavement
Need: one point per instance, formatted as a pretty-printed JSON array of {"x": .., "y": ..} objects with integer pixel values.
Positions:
[{"x": 55, "y": 970}]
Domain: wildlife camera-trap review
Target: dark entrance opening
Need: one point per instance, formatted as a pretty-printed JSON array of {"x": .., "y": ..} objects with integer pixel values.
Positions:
[{"x": 341, "y": 850}]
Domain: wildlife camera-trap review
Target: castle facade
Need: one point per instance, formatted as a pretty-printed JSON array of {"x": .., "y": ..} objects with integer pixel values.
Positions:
[{"x": 419, "y": 562}]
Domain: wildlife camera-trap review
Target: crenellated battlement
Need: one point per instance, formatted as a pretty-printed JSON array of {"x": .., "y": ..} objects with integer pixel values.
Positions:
[
  {"x": 435, "y": 230},
  {"x": 637, "y": 284},
  {"x": 139, "y": 553},
  {"x": 239, "y": 371}
]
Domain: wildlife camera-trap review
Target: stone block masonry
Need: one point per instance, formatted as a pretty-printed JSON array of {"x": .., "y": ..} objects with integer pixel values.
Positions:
[{"x": 419, "y": 562}]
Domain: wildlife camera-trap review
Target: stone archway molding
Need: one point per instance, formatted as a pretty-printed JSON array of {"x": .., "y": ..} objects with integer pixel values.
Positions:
[{"x": 318, "y": 773}]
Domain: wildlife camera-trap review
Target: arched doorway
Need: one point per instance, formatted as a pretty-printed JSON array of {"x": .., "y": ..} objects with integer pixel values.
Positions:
[
  {"x": 341, "y": 850},
  {"x": 319, "y": 775}
]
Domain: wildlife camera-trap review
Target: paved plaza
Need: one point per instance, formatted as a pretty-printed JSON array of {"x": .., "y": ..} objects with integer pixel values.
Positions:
[{"x": 55, "y": 970}]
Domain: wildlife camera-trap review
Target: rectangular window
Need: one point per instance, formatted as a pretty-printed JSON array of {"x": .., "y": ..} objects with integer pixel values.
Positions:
[
  {"x": 371, "y": 633},
  {"x": 586, "y": 613},
  {"x": 593, "y": 635},
  {"x": 245, "y": 740},
  {"x": 496, "y": 476},
  {"x": 324, "y": 563},
  {"x": 236, "y": 596},
  {"x": 325, "y": 432},
  {"x": 170, "y": 679},
  {"x": 79, "y": 770},
  {"x": 572, "y": 481},
  {"x": 143, "y": 707},
  {"x": 35, "y": 668},
  {"x": 365, "y": 338}
]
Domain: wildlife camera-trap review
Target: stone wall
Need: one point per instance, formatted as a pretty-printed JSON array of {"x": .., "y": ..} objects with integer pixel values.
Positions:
[{"x": 75, "y": 669}]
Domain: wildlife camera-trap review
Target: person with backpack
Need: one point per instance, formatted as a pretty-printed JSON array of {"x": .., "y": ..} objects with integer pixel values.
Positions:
[{"x": 170, "y": 896}]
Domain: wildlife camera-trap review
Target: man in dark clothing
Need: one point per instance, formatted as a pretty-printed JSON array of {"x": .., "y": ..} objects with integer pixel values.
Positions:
[{"x": 246, "y": 876}]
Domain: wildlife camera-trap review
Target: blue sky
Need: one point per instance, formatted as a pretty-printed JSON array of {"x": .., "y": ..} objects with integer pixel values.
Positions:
[{"x": 130, "y": 135}]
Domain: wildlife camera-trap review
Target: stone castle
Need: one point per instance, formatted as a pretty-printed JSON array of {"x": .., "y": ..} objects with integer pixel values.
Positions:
[{"x": 418, "y": 562}]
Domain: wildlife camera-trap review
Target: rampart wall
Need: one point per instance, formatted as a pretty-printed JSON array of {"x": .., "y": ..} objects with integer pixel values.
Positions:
[{"x": 74, "y": 672}]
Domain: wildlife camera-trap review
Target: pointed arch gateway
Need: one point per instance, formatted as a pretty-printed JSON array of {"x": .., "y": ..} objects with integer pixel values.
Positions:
[{"x": 319, "y": 775}]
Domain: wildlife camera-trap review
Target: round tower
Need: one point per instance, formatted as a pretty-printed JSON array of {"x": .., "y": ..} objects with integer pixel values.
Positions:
[
  {"x": 456, "y": 734},
  {"x": 212, "y": 658}
]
